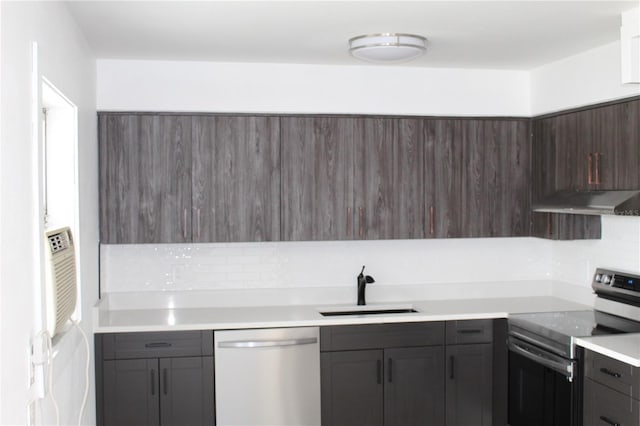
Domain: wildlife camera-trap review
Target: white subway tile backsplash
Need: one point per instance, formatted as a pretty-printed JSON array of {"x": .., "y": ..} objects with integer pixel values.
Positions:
[
  {"x": 165, "y": 267},
  {"x": 394, "y": 263}
]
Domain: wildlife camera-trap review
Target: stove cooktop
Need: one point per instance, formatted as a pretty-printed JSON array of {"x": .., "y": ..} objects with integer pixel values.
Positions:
[{"x": 557, "y": 330}]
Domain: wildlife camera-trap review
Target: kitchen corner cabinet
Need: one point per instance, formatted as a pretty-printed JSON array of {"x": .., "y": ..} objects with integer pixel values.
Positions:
[
  {"x": 155, "y": 379},
  {"x": 180, "y": 178},
  {"x": 477, "y": 172},
  {"x": 389, "y": 374},
  {"x": 594, "y": 148},
  {"x": 351, "y": 178}
]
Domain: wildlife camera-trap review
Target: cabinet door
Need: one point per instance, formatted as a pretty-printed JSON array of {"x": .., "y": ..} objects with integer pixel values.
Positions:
[
  {"x": 318, "y": 177},
  {"x": 414, "y": 386},
  {"x": 469, "y": 385},
  {"x": 236, "y": 179},
  {"x": 478, "y": 178},
  {"x": 352, "y": 388},
  {"x": 560, "y": 161},
  {"x": 186, "y": 391},
  {"x": 389, "y": 179},
  {"x": 145, "y": 178},
  {"x": 131, "y": 392},
  {"x": 614, "y": 132}
]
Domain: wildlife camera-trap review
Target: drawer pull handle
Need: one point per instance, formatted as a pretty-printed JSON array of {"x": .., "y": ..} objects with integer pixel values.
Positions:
[
  {"x": 610, "y": 373},
  {"x": 609, "y": 421},
  {"x": 470, "y": 331},
  {"x": 155, "y": 345}
]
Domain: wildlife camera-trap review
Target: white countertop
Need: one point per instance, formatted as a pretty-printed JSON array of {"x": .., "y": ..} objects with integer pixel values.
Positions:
[
  {"x": 218, "y": 318},
  {"x": 623, "y": 347}
]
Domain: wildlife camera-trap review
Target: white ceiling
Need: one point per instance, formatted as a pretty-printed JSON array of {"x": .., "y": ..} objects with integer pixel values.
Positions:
[{"x": 462, "y": 34}]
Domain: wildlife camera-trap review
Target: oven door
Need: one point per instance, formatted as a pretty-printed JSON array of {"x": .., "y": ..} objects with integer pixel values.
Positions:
[{"x": 544, "y": 388}]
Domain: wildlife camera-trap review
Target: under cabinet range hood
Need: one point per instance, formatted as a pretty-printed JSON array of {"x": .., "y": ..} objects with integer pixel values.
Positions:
[{"x": 591, "y": 202}]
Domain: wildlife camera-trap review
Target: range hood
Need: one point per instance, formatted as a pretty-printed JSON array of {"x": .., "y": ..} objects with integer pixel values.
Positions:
[{"x": 591, "y": 202}]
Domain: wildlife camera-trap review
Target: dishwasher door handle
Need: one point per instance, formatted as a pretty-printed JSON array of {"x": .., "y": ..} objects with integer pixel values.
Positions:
[{"x": 268, "y": 343}]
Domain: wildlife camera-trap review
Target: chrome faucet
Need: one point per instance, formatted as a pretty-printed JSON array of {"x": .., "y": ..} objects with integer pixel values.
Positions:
[{"x": 363, "y": 280}]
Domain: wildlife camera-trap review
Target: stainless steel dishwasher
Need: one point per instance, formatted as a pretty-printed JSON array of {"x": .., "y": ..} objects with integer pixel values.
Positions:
[{"x": 267, "y": 377}]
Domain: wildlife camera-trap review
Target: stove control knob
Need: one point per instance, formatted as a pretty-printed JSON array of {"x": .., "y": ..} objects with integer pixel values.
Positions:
[
  {"x": 606, "y": 279},
  {"x": 598, "y": 278}
]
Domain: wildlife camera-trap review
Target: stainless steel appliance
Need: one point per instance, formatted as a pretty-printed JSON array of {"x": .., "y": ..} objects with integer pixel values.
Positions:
[
  {"x": 545, "y": 370},
  {"x": 267, "y": 377}
]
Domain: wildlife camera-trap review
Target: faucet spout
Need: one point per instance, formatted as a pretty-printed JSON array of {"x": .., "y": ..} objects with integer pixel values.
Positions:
[{"x": 362, "y": 281}]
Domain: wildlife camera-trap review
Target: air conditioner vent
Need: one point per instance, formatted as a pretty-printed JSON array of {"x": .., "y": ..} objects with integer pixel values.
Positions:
[{"x": 61, "y": 283}]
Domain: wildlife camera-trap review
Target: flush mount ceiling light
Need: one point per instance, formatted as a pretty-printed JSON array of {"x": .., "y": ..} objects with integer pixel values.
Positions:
[{"x": 387, "y": 47}]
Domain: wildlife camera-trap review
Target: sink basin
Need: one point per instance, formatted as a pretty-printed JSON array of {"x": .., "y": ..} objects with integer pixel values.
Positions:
[{"x": 365, "y": 310}]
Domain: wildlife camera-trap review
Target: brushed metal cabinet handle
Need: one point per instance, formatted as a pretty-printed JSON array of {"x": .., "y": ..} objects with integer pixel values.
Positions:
[
  {"x": 348, "y": 229},
  {"x": 360, "y": 214},
  {"x": 590, "y": 169},
  {"x": 597, "y": 168},
  {"x": 184, "y": 223},
  {"x": 198, "y": 220},
  {"x": 431, "y": 221}
]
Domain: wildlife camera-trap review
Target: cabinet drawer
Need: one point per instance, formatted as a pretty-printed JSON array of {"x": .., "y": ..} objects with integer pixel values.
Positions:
[
  {"x": 612, "y": 373},
  {"x": 606, "y": 407},
  {"x": 469, "y": 331},
  {"x": 378, "y": 336},
  {"x": 157, "y": 344}
]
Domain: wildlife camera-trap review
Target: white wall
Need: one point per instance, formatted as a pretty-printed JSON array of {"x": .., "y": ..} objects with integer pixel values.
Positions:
[
  {"x": 583, "y": 79},
  {"x": 586, "y": 78},
  {"x": 65, "y": 59},
  {"x": 277, "y": 88}
]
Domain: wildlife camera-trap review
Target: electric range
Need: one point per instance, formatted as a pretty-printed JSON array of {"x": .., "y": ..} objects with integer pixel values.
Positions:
[{"x": 545, "y": 365}]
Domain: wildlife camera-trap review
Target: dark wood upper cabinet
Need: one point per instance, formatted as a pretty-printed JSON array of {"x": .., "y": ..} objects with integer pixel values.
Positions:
[
  {"x": 594, "y": 148},
  {"x": 477, "y": 174},
  {"x": 389, "y": 183},
  {"x": 352, "y": 178},
  {"x": 318, "y": 177},
  {"x": 236, "y": 178},
  {"x": 145, "y": 178}
]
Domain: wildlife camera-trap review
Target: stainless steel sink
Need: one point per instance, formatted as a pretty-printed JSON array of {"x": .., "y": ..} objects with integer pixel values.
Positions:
[{"x": 365, "y": 310}]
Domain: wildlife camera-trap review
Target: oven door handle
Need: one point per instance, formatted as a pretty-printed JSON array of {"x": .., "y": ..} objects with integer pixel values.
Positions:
[{"x": 564, "y": 368}]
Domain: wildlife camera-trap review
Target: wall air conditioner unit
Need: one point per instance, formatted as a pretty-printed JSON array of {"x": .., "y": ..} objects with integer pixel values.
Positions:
[{"x": 61, "y": 282}]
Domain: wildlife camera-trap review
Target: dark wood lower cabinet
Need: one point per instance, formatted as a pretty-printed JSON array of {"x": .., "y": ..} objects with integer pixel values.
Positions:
[
  {"x": 469, "y": 385},
  {"x": 164, "y": 391},
  {"x": 391, "y": 387},
  {"x": 155, "y": 379},
  {"x": 414, "y": 385},
  {"x": 352, "y": 388},
  {"x": 131, "y": 396}
]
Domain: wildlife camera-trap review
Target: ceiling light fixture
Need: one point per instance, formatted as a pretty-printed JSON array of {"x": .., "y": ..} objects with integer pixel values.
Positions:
[{"x": 387, "y": 47}]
